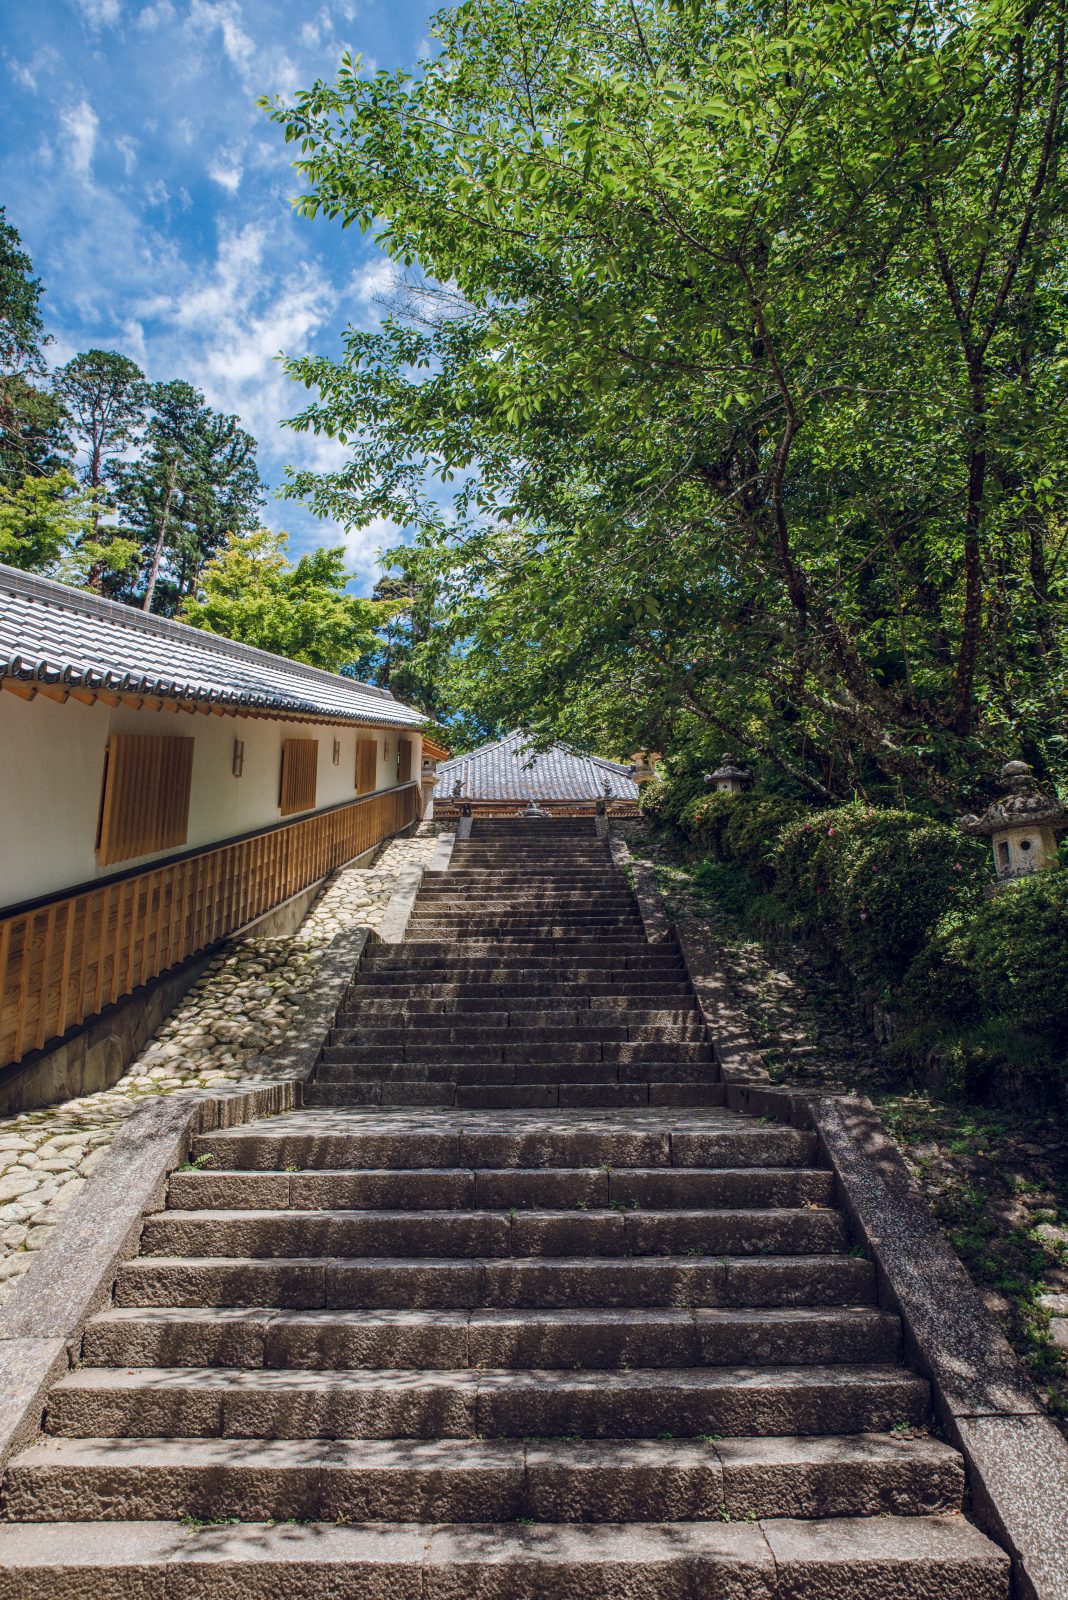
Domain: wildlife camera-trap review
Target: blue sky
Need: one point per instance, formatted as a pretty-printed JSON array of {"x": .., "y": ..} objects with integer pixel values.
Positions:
[{"x": 154, "y": 199}]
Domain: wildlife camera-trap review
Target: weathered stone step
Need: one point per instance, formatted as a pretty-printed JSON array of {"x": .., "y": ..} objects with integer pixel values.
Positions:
[
  {"x": 528, "y": 1095},
  {"x": 442, "y": 1066},
  {"x": 262, "y": 1233},
  {"x": 436, "y": 1031},
  {"x": 486, "y": 984},
  {"x": 400, "y": 1140},
  {"x": 493, "y": 1013},
  {"x": 253, "y": 1403},
  {"x": 513, "y": 1047},
  {"x": 368, "y": 1480},
  {"x": 894, "y": 1558},
  {"x": 574, "y": 1338},
  {"x": 504, "y": 1189},
  {"x": 626, "y": 955},
  {"x": 370, "y": 1284}
]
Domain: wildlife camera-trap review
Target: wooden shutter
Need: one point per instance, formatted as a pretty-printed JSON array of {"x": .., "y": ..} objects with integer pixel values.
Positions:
[
  {"x": 144, "y": 805},
  {"x": 296, "y": 788},
  {"x": 366, "y": 765},
  {"x": 404, "y": 761}
]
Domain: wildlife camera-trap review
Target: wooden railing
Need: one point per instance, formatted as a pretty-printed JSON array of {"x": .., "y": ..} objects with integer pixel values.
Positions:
[{"x": 69, "y": 957}]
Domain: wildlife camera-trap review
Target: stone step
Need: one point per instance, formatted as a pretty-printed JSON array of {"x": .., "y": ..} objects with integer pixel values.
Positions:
[
  {"x": 307, "y": 1140},
  {"x": 574, "y": 1338},
  {"x": 531, "y": 1095},
  {"x": 483, "y": 984},
  {"x": 433, "y": 1481},
  {"x": 513, "y": 1047},
  {"x": 528, "y": 1234},
  {"x": 899, "y": 1558},
  {"x": 502, "y": 1029},
  {"x": 375, "y": 1283},
  {"x": 504, "y": 1189},
  {"x": 626, "y": 956},
  {"x": 338, "y": 1066},
  {"x": 253, "y": 1403},
  {"x": 494, "y": 1013}
]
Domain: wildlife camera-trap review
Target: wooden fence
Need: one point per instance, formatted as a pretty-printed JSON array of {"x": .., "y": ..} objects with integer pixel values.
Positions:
[{"x": 68, "y": 958}]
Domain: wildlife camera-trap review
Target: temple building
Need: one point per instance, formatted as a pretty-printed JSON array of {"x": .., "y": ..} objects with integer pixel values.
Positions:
[
  {"x": 164, "y": 789},
  {"x": 500, "y": 778}
]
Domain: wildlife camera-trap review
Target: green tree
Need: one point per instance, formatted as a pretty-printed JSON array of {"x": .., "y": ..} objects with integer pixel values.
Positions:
[
  {"x": 105, "y": 395},
  {"x": 195, "y": 483},
  {"x": 42, "y": 519},
  {"x": 750, "y": 370},
  {"x": 251, "y": 591},
  {"x": 33, "y": 431}
]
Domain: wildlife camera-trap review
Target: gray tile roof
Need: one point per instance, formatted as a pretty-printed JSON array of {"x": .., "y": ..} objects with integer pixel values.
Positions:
[
  {"x": 50, "y": 633},
  {"x": 509, "y": 770}
]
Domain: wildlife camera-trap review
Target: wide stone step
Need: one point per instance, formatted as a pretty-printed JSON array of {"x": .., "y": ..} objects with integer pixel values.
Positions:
[
  {"x": 307, "y": 1140},
  {"x": 261, "y": 1233},
  {"x": 574, "y": 1338},
  {"x": 529, "y": 1012},
  {"x": 505, "y": 1189},
  {"x": 597, "y": 984},
  {"x": 895, "y": 1558},
  {"x": 525, "y": 1095},
  {"x": 539, "y": 1284},
  {"x": 432, "y": 1481},
  {"x": 251, "y": 1403},
  {"x": 494, "y": 1030},
  {"x": 627, "y": 956},
  {"x": 513, "y": 1047},
  {"x": 544, "y": 1075}
]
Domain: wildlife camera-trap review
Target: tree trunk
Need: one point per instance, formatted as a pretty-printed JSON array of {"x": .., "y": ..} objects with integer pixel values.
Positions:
[{"x": 157, "y": 554}]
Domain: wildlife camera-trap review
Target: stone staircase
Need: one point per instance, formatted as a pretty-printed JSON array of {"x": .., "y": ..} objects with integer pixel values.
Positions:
[{"x": 512, "y": 1308}]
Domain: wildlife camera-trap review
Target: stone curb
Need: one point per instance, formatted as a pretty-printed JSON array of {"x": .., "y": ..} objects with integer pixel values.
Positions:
[
  {"x": 439, "y": 861},
  {"x": 646, "y": 891},
  {"x": 983, "y": 1398},
  {"x": 72, "y": 1276}
]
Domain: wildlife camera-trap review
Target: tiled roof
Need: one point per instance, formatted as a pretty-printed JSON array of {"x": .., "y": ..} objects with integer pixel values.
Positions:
[
  {"x": 509, "y": 770},
  {"x": 51, "y": 634}
]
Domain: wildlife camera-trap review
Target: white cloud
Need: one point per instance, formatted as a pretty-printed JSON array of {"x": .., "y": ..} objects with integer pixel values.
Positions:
[
  {"x": 226, "y": 170},
  {"x": 373, "y": 280},
  {"x": 100, "y": 13},
  {"x": 149, "y": 18},
  {"x": 79, "y": 125},
  {"x": 205, "y": 16},
  {"x": 310, "y": 35},
  {"x": 157, "y": 193},
  {"x": 364, "y": 545},
  {"x": 127, "y": 148}
]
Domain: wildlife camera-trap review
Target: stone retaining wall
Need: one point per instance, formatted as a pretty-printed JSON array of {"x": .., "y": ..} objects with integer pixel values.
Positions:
[{"x": 242, "y": 1005}]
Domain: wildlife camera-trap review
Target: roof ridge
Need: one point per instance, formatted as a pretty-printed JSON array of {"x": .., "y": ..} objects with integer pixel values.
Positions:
[{"x": 49, "y": 592}]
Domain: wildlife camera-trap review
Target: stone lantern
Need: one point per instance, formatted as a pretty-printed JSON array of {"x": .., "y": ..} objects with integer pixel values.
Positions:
[
  {"x": 729, "y": 778},
  {"x": 641, "y": 768},
  {"x": 428, "y": 779},
  {"x": 1022, "y": 828}
]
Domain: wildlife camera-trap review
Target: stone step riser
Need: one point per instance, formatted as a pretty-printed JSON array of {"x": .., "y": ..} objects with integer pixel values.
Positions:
[
  {"x": 530, "y": 1235},
  {"x": 338, "y": 1068},
  {"x": 517, "y": 958},
  {"x": 159, "y": 1403},
  {"x": 358, "y": 1483},
  {"x": 615, "y": 991},
  {"x": 365, "y": 1092},
  {"x": 620, "y": 1054},
  {"x": 420, "y": 1031},
  {"x": 569, "y": 1341},
  {"x": 484, "y": 1148},
  {"x": 492, "y": 1013},
  {"x": 466, "y": 1188},
  {"x": 377, "y": 1284}
]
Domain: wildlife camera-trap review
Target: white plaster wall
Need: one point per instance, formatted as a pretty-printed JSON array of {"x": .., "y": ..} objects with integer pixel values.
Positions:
[{"x": 52, "y": 763}]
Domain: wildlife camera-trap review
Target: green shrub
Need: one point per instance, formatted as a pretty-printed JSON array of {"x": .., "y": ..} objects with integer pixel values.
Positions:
[
  {"x": 705, "y": 819},
  {"x": 1005, "y": 959},
  {"x": 753, "y": 829},
  {"x": 877, "y": 881},
  {"x": 665, "y": 797}
]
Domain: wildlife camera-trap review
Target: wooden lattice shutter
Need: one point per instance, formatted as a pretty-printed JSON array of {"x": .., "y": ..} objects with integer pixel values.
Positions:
[
  {"x": 404, "y": 761},
  {"x": 366, "y": 765},
  {"x": 145, "y": 800},
  {"x": 296, "y": 788}
]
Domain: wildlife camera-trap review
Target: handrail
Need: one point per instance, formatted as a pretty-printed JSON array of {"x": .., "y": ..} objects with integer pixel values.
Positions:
[{"x": 64, "y": 960}]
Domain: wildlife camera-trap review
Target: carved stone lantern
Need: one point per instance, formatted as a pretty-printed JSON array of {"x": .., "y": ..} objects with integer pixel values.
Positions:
[
  {"x": 729, "y": 778},
  {"x": 428, "y": 779},
  {"x": 1022, "y": 828},
  {"x": 641, "y": 769}
]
